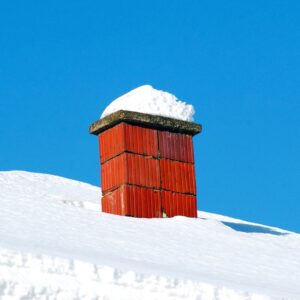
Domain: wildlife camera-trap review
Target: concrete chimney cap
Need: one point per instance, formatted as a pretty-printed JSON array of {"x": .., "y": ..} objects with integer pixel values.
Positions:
[{"x": 146, "y": 120}]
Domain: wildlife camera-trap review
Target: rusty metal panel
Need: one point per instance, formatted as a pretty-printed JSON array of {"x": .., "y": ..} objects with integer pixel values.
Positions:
[
  {"x": 141, "y": 140},
  {"x": 114, "y": 173},
  {"x": 111, "y": 142},
  {"x": 177, "y": 176},
  {"x": 143, "y": 171},
  {"x": 114, "y": 202},
  {"x": 143, "y": 202},
  {"x": 135, "y": 182},
  {"x": 176, "y": 204},
  {"x": 176, "y": 146},
  {"x": 125, "y": 137},
  {"x": 132, "y": 169},
  {"x": 133, "y": 201}
]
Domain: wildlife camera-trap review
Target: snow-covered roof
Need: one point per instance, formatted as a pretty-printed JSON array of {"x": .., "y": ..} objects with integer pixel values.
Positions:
[
  {"x": 146, "y": 99},
  {"x": 56, "y": 244}
]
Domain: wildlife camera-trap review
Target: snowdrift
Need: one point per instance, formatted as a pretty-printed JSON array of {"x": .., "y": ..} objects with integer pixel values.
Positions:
[
  {"x": 56, "y": 244},
  {"x": 148, "y": 100}
]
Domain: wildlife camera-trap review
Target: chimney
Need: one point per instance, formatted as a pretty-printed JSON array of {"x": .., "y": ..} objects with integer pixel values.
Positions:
[{"x": 147, "y": 165}]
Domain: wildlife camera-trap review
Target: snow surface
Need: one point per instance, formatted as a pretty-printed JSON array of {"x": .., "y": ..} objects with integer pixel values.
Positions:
[
  {"x": 55, "y": 244},
  {"x": 146, "y": 99}
]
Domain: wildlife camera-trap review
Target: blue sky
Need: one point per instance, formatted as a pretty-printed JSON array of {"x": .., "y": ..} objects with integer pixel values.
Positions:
[{"x": 237, "y": 62}]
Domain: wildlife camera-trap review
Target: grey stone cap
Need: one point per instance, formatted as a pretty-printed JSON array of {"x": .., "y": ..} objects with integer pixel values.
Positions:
[{"x": 146, "y": 120}]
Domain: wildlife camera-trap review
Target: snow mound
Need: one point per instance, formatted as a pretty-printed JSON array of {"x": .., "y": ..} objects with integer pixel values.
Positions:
[
  {"x": 56, "y": 244},
  {"x": 146, "y": 99}
]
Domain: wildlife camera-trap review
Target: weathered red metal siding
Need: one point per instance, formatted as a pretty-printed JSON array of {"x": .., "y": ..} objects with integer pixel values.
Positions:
[
  {"x": 132, "y": 169},
  {"x": 177, "y": 176},
  {"x": 143, "y": 171},
  {"x": 124, "y": 137},
  {"x": 144, "y": 203},
  {"x": 146, "y": 172},
  {"x": 174, "y": 204},
  {"x": 114, "y": 173},
  {"x": 141, "y": 140},
  {"x": 115, "y": 202},
  {"x": 111, "y": 142},
  {"x": 176, "y": 146},
  {"x": 133, "y": 201}
]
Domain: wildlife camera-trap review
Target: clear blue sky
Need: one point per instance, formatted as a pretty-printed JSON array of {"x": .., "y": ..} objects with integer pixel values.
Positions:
[{"x": 237, "y": 62}]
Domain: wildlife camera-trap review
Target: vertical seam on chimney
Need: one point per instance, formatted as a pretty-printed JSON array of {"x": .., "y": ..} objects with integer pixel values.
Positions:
[
  {"x": 125, "y": 154},
  {"x": 160, "y": 177}
]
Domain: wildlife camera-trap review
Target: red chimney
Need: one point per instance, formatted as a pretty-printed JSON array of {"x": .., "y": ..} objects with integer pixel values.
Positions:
[{"x": 147, "y": 165}]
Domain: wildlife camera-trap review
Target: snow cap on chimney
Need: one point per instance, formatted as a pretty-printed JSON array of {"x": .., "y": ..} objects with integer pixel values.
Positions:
[{"x": 148, "y": 100}]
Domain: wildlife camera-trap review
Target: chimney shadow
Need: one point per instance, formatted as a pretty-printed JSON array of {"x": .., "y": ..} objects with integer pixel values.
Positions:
[{"x": 249, "y": 228}]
